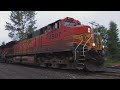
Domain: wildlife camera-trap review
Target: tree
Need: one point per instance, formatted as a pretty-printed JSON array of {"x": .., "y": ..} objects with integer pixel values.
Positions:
[
  {"x": 3, "y": 43},
  {"x": 103, "y": 32},
  {"x": 22, "y": 23},
  {"x": 113, "y": 39}
]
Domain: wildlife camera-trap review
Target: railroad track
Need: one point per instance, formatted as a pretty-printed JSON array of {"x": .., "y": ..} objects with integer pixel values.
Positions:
[
  {"x": 111, "y": 74},
  {"x": 111, "y": 71}
]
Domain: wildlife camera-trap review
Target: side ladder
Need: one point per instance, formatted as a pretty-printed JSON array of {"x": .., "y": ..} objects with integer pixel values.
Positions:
[{"x": 81, "y": 57}]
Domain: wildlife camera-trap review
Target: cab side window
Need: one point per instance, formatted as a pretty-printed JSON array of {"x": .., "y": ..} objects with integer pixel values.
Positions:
[
  {"x": 57, "y": 25},
  {"x": 66, "y": 23},
  {"x": 49, "y": 28}
]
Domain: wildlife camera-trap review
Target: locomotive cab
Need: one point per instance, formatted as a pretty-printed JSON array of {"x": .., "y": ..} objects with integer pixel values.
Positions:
[{"x": 87, "y": 45}]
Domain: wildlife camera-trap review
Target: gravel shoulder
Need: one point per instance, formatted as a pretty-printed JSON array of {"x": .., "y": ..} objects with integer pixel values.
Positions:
[{"x": 10, "y": 71}]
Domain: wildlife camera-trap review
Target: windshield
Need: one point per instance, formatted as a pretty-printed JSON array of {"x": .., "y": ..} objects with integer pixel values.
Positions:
[{"x": 66, "y": 23}]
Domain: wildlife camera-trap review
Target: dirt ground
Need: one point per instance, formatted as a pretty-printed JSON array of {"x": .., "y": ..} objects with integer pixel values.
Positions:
[{"x": 12, "y": 71}]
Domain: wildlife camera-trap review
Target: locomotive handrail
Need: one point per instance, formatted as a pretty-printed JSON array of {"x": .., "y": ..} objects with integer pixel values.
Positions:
[
  {"x": 77, "y": 48},
  {"x": 86, "y": 43}
]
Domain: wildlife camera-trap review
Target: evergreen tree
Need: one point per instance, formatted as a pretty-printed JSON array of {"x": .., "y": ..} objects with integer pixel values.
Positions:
[
  {"x": 22, "y": 23},
  {"x": 112, "y": 41}
]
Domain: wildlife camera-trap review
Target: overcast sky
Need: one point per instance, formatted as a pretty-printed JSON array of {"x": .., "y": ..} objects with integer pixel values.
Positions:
[{"x": 45, "y": 17}]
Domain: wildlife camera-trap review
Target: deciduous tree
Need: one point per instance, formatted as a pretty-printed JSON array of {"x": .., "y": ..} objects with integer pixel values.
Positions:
[{"x": 22, "y": 23}]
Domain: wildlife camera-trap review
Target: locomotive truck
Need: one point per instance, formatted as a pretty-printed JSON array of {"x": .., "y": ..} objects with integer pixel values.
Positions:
[{"x": 65, "y": 44}]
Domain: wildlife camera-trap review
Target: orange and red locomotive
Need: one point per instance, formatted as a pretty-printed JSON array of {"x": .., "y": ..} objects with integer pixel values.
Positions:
[{"x": 65, "y": 43}]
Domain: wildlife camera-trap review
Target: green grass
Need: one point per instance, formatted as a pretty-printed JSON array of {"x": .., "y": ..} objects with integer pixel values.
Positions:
[{"x": 110, "y": 62}]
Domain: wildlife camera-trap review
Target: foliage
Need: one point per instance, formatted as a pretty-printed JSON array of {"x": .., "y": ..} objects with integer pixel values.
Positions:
[
  {"x": 112, "y": 41},
  {"x": 22, "y": 23},
  {"x": 103, "y": 32},
  {"x": 3, "y": 43}
]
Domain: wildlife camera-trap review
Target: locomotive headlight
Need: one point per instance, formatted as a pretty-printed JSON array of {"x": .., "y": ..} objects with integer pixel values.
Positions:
[
  {"x": 88, "y": 30},
  {"x": 93, "y": 44},
  {"x": 103, "y": 46}
]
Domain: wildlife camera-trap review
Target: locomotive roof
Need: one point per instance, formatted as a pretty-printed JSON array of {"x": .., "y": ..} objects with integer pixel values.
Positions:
[
  {"x": 41, "y": 30},
  {"x": 9, "y": 44},
  {"x": 49, "y": 24}
]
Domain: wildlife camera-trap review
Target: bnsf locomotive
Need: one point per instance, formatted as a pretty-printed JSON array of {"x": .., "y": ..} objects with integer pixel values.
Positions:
[{"x": 65, "y": 44}]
